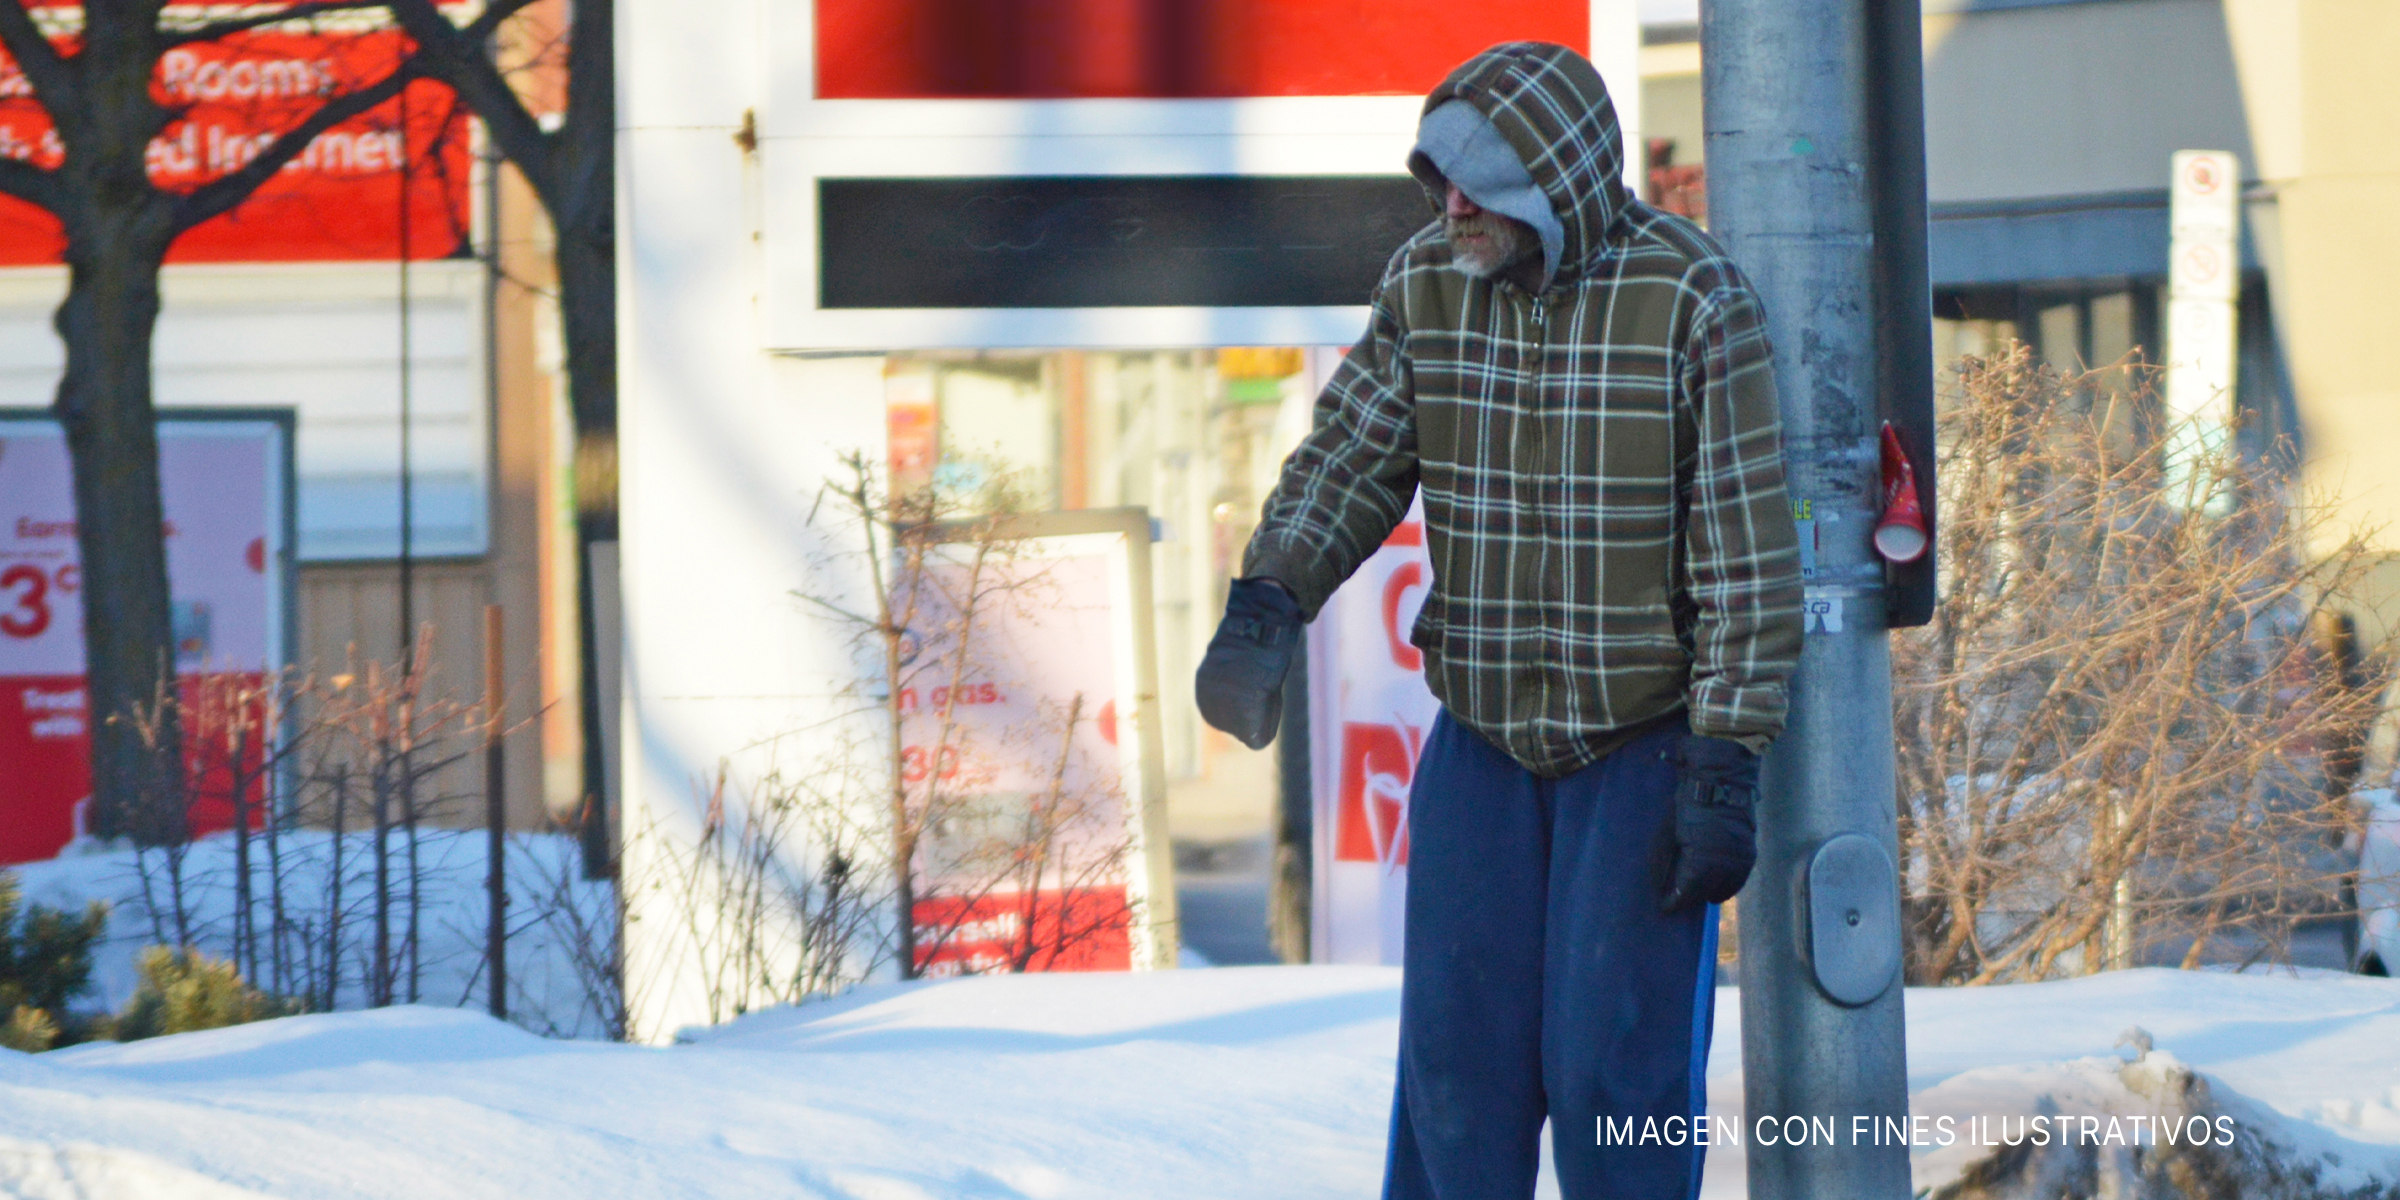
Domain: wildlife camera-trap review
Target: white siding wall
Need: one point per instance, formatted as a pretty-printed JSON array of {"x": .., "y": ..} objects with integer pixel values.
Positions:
[{"x": 323, "y": 339}]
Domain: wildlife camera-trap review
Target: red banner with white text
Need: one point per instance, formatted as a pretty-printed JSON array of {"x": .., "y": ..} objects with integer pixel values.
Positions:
[{"x": 342, "y": 199}]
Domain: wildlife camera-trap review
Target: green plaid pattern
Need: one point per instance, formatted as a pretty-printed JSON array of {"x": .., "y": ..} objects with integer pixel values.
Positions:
[{"x": 1601, "y": 464}]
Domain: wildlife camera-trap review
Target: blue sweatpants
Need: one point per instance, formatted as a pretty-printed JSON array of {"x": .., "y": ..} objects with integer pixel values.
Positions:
[{"x": 1542, "y": 981}]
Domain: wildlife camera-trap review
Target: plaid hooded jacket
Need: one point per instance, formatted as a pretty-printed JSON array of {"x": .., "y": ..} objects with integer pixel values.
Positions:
[{"x": 1601, "y": 463}]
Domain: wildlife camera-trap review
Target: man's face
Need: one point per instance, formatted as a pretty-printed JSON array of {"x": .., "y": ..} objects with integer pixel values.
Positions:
[{"x": 1484, "y": 243}]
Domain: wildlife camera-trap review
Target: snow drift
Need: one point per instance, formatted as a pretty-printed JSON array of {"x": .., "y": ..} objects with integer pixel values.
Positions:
[{"x": 1254, "y": 1082}]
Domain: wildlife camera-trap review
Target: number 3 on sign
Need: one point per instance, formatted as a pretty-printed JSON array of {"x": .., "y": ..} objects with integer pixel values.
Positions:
[{"x": 27, "y": 592}]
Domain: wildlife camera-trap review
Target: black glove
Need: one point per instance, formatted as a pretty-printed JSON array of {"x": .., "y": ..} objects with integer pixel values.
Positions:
[
  {"x": 1707, "y": 846},
  {"x": 1240, "y": 687}
]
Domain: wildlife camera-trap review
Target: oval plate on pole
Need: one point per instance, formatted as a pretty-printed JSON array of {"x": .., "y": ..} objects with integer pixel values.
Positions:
[{"x": 1853, "y": 919}]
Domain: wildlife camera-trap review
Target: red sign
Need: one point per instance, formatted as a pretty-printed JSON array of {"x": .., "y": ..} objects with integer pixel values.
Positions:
[
  {"x": 220, "y": 481},
  {"x": 341, "y": 199},
  {"x": 902, "y": 49},
  {"x": 1378, "y": 764},
  {"x": 44, "y": 735},
  {"x": 1033, "y": 853},
  {"x": 1369, "y": 711},
  {"x": 45, "y": 738},
  {"x": 1080, "y": 929},
  {"x": 1379, "y": 760}
]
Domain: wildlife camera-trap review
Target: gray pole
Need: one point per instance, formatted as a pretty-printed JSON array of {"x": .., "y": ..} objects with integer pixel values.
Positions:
[
  {"x": 1789, "y": 151},
  {"x": 495, "y": 810}
]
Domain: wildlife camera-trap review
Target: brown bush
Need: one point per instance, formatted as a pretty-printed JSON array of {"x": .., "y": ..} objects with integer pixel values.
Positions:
[{"x": 2121, "y": 739}]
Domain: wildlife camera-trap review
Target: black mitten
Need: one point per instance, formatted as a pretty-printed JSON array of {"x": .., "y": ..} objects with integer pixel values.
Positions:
[
  {"x": 1240, "y": 685},
  {"x": 1711, "y": 840}
]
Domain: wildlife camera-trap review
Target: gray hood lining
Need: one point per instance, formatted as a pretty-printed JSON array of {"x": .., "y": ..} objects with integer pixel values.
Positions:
[{"x": 1457, "y": 143}]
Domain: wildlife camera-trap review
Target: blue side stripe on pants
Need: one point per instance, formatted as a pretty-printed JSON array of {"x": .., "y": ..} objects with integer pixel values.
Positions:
[{"x": 1704, "y": 1014}]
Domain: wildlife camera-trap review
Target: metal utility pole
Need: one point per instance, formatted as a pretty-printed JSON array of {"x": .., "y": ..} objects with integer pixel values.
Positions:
[
  {"x": 408, "y": 422},
  {"x": 1812, "y": 108},
  {"x": 495, "y": 810}
]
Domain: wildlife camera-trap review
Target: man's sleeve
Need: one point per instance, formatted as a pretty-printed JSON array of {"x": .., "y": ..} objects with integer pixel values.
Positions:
[
  {"x": 1740, "y": 547},
  {"x": 1349, "y": 482}
]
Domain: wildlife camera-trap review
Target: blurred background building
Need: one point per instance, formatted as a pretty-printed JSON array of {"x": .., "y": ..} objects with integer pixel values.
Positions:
[{"x": 2049, "y": 126}]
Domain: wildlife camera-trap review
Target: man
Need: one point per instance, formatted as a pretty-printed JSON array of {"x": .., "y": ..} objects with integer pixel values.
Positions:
[{"x": 1579, "y": 386}]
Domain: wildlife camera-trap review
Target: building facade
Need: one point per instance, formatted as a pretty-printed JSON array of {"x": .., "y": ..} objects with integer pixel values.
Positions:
[
  {"x": 1112, "y": 255},
  {"x": 391, "y": 270},
  {"x": 2049, "y": 128}
]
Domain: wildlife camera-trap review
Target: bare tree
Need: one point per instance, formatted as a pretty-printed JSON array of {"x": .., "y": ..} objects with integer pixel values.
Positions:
[
  {"x": 502, "y": 64},
  {"x": 97, "y": 86},
  {"x": 908, "y": 834},
  {"x": 238, "y": 743},
  {"x": 924, "y": 780},
  {"x": 398, "y": 739},
  {"x": 2121, "y": 737}
]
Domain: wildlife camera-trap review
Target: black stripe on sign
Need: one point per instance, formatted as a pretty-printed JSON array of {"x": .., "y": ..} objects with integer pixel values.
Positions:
[{"x": 1110, "y": 241}]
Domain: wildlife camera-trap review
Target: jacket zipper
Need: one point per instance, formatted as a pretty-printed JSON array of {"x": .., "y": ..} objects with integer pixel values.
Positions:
[{"x": 1541, "y": 416}]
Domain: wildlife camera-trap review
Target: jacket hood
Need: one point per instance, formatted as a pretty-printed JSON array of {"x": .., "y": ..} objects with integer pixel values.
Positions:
[{"x": 1548, "y": 104}]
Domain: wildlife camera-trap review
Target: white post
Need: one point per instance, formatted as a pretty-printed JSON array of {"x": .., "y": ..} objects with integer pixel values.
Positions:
[
  {"x": 2120, "y": 907},
  {"x": 1616, "y": 51},
  {"x": 2204, "y": 276}
]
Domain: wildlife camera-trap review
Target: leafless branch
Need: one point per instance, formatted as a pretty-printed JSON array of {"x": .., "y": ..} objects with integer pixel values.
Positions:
[
  {"x": 2121, "y": 734},
  {"x": 57, "y": 80},
  {"x": 458, "y": 56}
]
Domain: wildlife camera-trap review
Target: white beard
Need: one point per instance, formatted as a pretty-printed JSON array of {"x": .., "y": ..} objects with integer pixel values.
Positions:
[{"x": 1507, "y": 243}]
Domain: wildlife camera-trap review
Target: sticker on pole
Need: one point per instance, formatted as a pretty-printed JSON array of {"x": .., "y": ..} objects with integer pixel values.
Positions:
[{"x": 1821, "y": 611}]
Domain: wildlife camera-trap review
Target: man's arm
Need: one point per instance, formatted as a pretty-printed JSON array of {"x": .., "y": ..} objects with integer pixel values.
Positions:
[
  {"x": 1350, "y": 480},
  {"x": 1741, "y": 551}
]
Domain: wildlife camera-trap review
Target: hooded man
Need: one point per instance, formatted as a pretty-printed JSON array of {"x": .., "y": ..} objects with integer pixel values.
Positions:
[{"x": 1579, "y": 386}]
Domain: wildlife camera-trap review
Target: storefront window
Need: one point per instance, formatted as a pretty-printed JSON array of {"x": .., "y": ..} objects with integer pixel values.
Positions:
[{"x": 1192, "y": 436}]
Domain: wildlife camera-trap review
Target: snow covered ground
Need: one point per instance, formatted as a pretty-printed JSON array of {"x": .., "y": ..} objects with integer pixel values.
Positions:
[{"x": 1234, "y": 1082}]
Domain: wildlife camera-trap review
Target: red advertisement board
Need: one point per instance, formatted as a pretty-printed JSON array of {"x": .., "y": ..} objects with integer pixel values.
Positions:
[
  {"x": 227, "y": 497},
  {"x": 340, "y": 200},
  {"x": 1039, "y": 814},
  {"x": 1369, "y": 716},
  {"x": 1077, "y": 929},
  {"x": 1026, "y": 49}
]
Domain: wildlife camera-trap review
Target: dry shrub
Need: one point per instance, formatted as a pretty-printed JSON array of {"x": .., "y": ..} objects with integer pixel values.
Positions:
[
  {"x": 777, "y": 900},
  {"x": 585, "y": 921},
  {"x": 2121, "y": 739},
  {"x": 29, "y": 1030},
  {"x": 183, "y": 990},
  {"x": 237, "y": 740},
  {"x": 368, "y": 756},
  {"x": 377, "y": 742}
]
